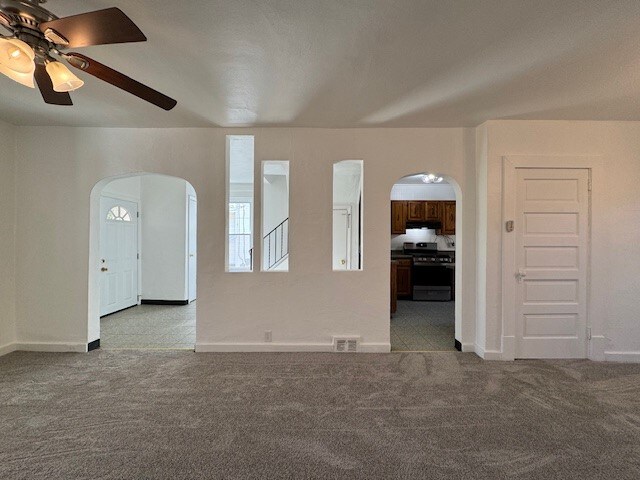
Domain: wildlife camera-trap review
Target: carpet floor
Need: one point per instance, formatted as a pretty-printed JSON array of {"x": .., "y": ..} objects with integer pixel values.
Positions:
[{"x": 177, "y": 414}]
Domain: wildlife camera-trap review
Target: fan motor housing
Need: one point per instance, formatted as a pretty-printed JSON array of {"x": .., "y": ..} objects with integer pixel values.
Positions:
[{"x": 25, "y": 14}]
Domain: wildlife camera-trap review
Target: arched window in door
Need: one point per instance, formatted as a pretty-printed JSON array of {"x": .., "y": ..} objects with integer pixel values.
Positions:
[{"x": 119, "y": 214}]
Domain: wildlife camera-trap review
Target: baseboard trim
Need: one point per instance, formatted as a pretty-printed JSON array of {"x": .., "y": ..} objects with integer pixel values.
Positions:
[
  {"x": 164, "y": 302},
  {"x": 487, "y": 354},
  {"x": 51, "y": 347},
  {"x": 93, "y": 345},
  {"x": 468, "y": 348},
  {"x": 625, "y": 357},
  {"x": 8, "y": 348},
  {"x": 597, "y": 347},
  {"x": 285, "y": 347}
]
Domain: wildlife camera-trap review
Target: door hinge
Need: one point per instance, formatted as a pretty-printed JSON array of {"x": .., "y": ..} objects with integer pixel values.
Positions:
[
  {"x": 138, "y": 256},
  {"x": 589, "y": 333},
  {"x": 138, "y": 214},
  {"x": 589, "y": 183}
]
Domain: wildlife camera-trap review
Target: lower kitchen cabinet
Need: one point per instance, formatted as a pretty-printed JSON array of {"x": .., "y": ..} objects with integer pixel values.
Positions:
[{"x": 404, "y": 285}]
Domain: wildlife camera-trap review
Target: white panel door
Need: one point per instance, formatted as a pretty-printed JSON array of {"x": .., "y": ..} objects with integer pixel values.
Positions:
[
  {"x": 341, "y": 239},
  {"x": 551, "y": 251},
  {"x": 118, "y": 255},
  {"x": 192, "y": 246}
]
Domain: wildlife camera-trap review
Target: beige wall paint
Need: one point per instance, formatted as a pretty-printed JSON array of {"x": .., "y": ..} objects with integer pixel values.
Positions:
[
  {"x": 59, "y": 166},
  {"x": 615, "y": 249},
  {"x": 7, "y": 235}
]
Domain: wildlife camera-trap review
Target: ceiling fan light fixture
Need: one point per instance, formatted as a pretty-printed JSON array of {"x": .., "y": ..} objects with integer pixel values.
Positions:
[
  {"x": 17, "y": 56},
  {"x": 25, "y": 79},
  {"x": 62, "y": 78},
  {"x": 431, "y": 178}
]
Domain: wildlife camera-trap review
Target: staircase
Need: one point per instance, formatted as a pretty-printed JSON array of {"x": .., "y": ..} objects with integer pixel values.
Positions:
[{"x": 275, "y": 246}]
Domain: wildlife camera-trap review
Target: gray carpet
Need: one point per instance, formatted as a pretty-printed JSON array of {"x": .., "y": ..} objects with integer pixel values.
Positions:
[
  {"x": 150, "y": 326},
  {"x": 176, "y": 414},
  {"x": 423, "y": 326}
]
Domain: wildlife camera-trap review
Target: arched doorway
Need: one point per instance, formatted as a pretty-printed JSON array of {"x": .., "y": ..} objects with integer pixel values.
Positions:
[
  {"x": 143, "y": 263},
  {"x": 426, "y": 263}
]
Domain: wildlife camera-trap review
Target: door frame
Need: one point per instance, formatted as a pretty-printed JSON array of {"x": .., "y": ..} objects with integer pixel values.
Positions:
[
  {"x": 595, "y": 166},
  {"x": 347, "y": 207},
  {"x": 191, "y": 198}
]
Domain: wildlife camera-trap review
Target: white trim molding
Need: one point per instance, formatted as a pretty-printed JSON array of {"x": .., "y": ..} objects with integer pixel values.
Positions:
[
  {"x": 51, "y": 347},
  {"x": 626, "y": 357},
  {"x": 286, "y": 347},
  {"x": 468, "y": 348},
  {"x": 488, "y": 354},
  {"x": 8, "y": 348}
]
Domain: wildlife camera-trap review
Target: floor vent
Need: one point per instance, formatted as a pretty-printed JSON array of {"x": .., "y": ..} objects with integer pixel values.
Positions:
[{"x": 345, "y": 344}]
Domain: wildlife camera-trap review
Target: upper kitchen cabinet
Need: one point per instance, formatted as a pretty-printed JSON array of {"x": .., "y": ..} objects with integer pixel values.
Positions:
[
  {"x": 415, "y": 211},
  {"x": 398, "y": 217},
  {"x": 449, "y": 218},
  {"x": 432, "y": 210}
]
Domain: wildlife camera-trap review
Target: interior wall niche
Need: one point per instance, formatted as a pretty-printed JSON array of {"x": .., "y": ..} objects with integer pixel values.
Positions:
[
  {"x": 275, "y": 216},
  {"x": 347, "y": 215},
  {"x": 240, "y": 203}
]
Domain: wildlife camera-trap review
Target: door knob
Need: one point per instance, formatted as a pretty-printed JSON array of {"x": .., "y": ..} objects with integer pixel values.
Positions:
[
  {"x": 104, "y": 269},
  {"x": 521, "y": 274},
  {"x": 343, "y": 262}
]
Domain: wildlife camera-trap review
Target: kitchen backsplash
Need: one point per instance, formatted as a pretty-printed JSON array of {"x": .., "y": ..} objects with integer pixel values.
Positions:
[{"x": 422, "y": 235}]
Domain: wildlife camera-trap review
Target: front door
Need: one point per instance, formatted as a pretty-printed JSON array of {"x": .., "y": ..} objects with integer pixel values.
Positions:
[
  {"x": 551, "y": 252},
  {"x": 118, "y": 255}
]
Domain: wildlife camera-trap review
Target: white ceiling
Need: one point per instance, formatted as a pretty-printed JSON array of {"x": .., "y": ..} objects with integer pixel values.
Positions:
[{"x": 348, "y": 63}]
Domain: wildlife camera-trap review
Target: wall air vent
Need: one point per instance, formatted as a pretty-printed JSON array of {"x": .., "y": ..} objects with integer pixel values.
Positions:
[{"x": 345, "y": 344}]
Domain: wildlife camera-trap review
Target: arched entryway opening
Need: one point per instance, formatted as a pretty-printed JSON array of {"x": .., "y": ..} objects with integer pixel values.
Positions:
[
  {"x": 426, "y": 263},
  {"x": 142, "y": 263}
]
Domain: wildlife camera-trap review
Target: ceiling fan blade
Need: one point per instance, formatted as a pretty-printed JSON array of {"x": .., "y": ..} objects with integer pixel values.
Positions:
[
  {"x": 120, "y": 80},
  {"x": 46, "y": 88},
  {"x": 95, "y": 28}
]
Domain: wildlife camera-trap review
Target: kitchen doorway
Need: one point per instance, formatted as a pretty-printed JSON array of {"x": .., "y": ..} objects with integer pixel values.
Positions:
[{"x": 423, "y": 264}]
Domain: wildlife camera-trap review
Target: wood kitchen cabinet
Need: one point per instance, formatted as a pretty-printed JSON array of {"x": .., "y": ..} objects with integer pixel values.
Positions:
[
  {"x": 449, "y": 218},
  {"x": 394, "y": 287},
  {"x": 404, "y": 286},
  {"x": 398, "y": 217},
  {"x": 432, "y": 210},
  {"x": 415, "y": 211}
]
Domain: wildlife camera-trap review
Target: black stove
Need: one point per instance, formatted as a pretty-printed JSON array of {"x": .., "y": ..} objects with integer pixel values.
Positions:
[
  {"x": 427, "y": 254},
  {"x": 432, "y": 271}
]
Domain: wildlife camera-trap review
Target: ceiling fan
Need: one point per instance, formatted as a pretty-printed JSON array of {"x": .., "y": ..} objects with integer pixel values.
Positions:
[{"x": 38, "y": 39}]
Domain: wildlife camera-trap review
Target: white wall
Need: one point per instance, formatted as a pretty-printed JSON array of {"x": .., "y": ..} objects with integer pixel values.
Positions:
[
  {"x": 423, "y": 192},
  {"x": 275, "y": 192},
  {"x": 304, "y": 307},
  {"x": 164, "y": 238},
  {"x": 126, "y": 188},
  {"x": 615, "y": 249},
  {"x": 7, "y": 236}
]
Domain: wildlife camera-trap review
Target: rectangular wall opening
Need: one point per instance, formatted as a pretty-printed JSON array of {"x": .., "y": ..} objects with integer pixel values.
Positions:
[
  {"x": 240, "y": 191},
  {"x": 275, "y": 216},
  {"x": 347, "y": 215}
]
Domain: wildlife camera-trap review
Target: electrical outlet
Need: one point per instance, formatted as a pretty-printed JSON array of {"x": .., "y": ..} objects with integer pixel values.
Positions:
[{"x": 267, "y": 336}]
